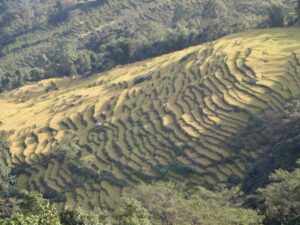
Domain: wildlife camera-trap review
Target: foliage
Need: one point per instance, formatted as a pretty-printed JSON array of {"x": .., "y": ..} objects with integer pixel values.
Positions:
[
  {"x": 6, "y": 178},
  {"x": 167, "y": 204},
  {"x": 33, "y": 209},
  {"x": 42, "y": 39},
  {"x": 83, "y": 62},
  {"x": 133, "y": 213},
  {"x": 282, "y": 198},
  {"x": 80, "y": 217},
  {"x": 68, "y": 152},
  {"x": 21, "y": 219},
  {"x": 174, "y": 204},
  {"x": 274, "y": 136},
  {"x": 68, "y": 148},
  {"x": 5, "y": 161},
  {"x": 68, "y": 56},
  {"x": 35, "y": 204},
  {"x": 276, "y": 15},
  {"x": 298, "y": 11},
  {"x": 292, "y": 108}
]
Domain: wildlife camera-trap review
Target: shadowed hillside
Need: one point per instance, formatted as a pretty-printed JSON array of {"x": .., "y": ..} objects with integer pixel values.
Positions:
[{"x": 165, "y": 118}]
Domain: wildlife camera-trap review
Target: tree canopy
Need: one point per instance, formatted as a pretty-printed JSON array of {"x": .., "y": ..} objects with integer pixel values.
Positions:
[{"x": 41, "y": 39}]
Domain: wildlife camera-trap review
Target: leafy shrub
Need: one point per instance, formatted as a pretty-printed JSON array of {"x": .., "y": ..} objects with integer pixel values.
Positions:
[
  {"x": 281, "y": 198},
  {"x": 33, "y": 209},
  {"x": 168, "y": 204}
]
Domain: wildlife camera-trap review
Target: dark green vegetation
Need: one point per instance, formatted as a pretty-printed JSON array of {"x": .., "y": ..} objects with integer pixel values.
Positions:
[
  {"x": 282, "y": 198},
  {"x": 169, "y": 204},
  {"x": 6, "y": 204},
  {"x": 276, "y": 136},
  {"x": 32, "y": 209},
  {"x": 41, "y": 39}
]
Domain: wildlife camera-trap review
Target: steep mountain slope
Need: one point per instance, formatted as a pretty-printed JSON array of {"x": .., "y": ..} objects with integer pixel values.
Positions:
[
  {"x": 165, "y": 118},
  {"x": 107, "y": 33}
]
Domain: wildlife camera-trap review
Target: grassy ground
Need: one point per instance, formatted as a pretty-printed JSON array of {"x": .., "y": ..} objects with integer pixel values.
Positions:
[{"x": 165, "y": 117}]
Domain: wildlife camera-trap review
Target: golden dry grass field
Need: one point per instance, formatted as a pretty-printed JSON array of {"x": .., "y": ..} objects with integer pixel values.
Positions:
[{"x": 177, "y": 109}]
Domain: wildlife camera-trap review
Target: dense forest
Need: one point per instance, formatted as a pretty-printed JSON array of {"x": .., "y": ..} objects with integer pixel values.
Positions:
[{"x": 41, "y": 39}]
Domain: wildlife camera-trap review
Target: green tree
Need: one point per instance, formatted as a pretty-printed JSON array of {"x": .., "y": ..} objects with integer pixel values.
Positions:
[
  {"x": 36, "y": 74},
  {"x": 169, "y": 204},
  {"x": 298, "y": 11},
  {"x": 177, "y": 38},
  {"x": 80, "y": 217},
  {"x": 276, "y": 15},
  {"x": 118, "y": 51},
  {"x": 68, "y": 148},
  {"x": 6, "y": 202},
  {"x": 68, "y": 56},
  {"x": 5, "y": 159},
  {"x": 83, "y": 62},
  {"x": 133, "y": 213},
  {"x": 281, "y": 198},
  {"x": 33, "y": 204},
  {"x": 21, "y": 219},
  {"x": 32, "y": 209}
]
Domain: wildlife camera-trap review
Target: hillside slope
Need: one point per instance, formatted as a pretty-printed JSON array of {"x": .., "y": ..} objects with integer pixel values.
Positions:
[
  {"x": 102, "y": 34},
  {"x": 164, "y": 118}
]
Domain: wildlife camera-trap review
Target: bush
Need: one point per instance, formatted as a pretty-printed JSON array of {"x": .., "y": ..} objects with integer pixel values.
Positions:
[
  {"x": 298, "y": 11},
  {"x": 170, "y": 204},
  {"x": 21, "y": 219},
  {"x": 79, "y": 217},
  {"x": 281, "y": 198},
  {"x": 33, "y": 209},
  {"x": 133, "y": 213}
]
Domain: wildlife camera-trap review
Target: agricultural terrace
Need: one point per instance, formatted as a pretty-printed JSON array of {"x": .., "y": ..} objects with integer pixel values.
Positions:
[{"x": 164, "y": 118}]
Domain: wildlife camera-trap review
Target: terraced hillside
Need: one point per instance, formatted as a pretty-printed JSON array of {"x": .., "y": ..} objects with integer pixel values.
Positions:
[{"x": 168, "y": 117}]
